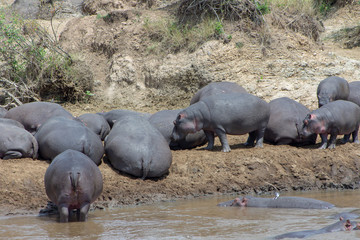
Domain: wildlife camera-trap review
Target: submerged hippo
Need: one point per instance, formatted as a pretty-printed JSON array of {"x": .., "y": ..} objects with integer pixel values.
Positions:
[
  {"x": 217, "y": 88},
  {"x": 59, "y": 134},
  {"x": 285, "y": 123},
  {"x": 96, "y": 123},
  {"x": 16, "y": 142},
  {"x": 136, "y": 147},
  {"x": 331, "y": 89},
  {"x": 33, "y": 115},
  {"x": 233, "y": 113},
  {"x": 163, "y": 121},
  {"x": 277, "y": 202},
  {"x": 73, "y": 181},
  {"x": 115, "y": 114},
  {"x": 334, "y": 118},
  {"x": 342, "y": 225}
]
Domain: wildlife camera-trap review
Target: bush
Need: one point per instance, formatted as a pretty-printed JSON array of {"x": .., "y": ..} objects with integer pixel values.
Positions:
[{"x": 35, "y": 67}]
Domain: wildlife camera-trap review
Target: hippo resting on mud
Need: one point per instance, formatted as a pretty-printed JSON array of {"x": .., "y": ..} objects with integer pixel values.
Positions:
[
  {"x": 334, "y": 118},
  {"x": 73, "y": 181},
  {"x": 285, "y": 123},
  {"x": 277, "y": 202},
  {"x": 216, "y": 88},
  {"x": 33, "y": 115},
  {"x": 15, "y": 141},
  {"x": 59, "y": 134},
  {"x": 163, "y": 121},
  {"x": 136, "y": 147},
  {"x": 116, "y": 114},
  {"x": 342, "y": 225},
  {"x": 96, "y": 123},
  {"x": 331, "y": 89},
  {"x": 233, "y": 113}
]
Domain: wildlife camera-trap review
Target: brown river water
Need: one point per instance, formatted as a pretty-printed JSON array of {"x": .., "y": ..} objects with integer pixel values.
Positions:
[{"x": 189, "y": 219}]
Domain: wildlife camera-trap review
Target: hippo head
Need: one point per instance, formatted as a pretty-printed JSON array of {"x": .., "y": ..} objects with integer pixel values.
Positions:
[
  {"x": 324, "y": 97},
  {"x": 313, "y": 124},
  {"x": 183, "y": 125}
]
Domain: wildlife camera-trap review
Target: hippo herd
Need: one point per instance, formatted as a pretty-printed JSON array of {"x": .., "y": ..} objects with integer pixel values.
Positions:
[{"x": 140, "y": 144}]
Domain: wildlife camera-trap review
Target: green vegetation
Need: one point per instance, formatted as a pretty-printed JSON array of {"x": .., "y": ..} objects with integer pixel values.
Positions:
[{"x": 36, "y": 68}]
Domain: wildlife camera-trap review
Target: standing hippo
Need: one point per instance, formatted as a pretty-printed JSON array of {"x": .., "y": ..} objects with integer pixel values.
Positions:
[
  {"x": 33, "y": 114},
  {"x": 136, "y": 147},
  {"x": 73, "y": 181},
  {"x": 16, "y": 142},
  {"x": 331, "y": 89},
  {"x": 217, "y": 88},
  {"x": 354, "y": 95},
  {"x": 115, "y": 114},
  {"x": 233, "y": 113},
  {"x": 285, "y": 123},
  {"x": 96, "y": 123},
  {"x": 334, "y": 118},
  {"x": 163, "y": 121},
  {"x": 277, "y": 202},
  {"x": 59, "y": 134}
]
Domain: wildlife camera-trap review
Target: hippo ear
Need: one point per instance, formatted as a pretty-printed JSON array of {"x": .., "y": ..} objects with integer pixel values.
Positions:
[
  {"x": 312, "y": 116},
  {"x": 181, "y": 116}
]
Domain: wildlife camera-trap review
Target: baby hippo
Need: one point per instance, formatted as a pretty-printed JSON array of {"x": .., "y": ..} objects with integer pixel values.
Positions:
[
  {"x": 73, "y": 181},
  {"x": 334, "y": 118},
  {"x": 233, "y": 113}
]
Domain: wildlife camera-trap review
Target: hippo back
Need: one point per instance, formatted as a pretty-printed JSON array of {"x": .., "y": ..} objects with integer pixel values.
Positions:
[
  {"x": 354, "y": 95},
  {"x": 112, "y": 116},
  {"x": 97, "y": 123}
]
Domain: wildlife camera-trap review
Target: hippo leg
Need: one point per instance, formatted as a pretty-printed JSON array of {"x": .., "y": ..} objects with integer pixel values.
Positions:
[
  {"x": 355, "y": 135},
  {"x": 332, "y": 141},
  {"x": 346, "y": 138},
  {"x": 223, "y": 139},
  {"x": 260, "y": 137},
  {"x": 323, "y": 141},
  {"x": 12, "y": 155},
  {"x": 210, "y": 137},
  {"x": 251, "y": 139},
  {"x": 82, "y": 213},
  {"x": 64, "y": 214}
]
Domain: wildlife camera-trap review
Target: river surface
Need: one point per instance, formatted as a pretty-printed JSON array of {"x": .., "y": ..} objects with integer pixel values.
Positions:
[{"x": 188, "y": 219}]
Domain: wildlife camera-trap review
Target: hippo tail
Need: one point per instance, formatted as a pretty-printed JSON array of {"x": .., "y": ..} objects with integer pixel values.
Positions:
[
  {"x": 74, "y": 179},
  {"x": 145, "y": 167}
]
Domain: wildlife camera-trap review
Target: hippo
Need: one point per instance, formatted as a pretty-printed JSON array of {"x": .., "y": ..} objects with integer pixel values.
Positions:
[
  {"x": 96, "y": 123},
  {"x": 3, "y": 111},
  {"x": 163, "y": 121},
  {"x": 277, "y": 202},
  {"x": 233, "y": 113},
  {"x": 136, "y": 147},
  {"x": 334, "y": 118},
  {"x": 342, "y": 225},
  {"x": 217, "y": 88},
  {"x": 354, "y": 95},
  {"x": 16, "y": 142},
  {"x": 11, "y": 122},
  {"x": 59, "y": 134},
  {"x": 345, "y": 215},
  {"x": 33, "y": 114},
  {"x": 73, "y": 181},
  {"x": 331, "y": 89},
  {"x": 285, "y": 123},
  {"x": 115, "y": 114}
]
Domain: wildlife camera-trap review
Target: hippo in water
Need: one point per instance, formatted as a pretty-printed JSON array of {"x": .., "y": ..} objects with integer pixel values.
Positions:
[
  {"x": 136, "y": 147},
  {"x": 16, "y": 142},
  {"x": 331, "y": 89},
  {"x": 217, "y": 88},
  {"x": 163, "y": 121},
  {"x": 96, "y": 123},
  {"x": 33, "y": 115},
  {"x": 73, "y": 181},
  {"x": 342, "y": 225},
  {"x": 285, "y": 123},
  {"x": 233, "y": 113},
  {"x": 334, "y": 118},
  {"x": 277, "y": 202},
  {"x": 59, "y": 134}
]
